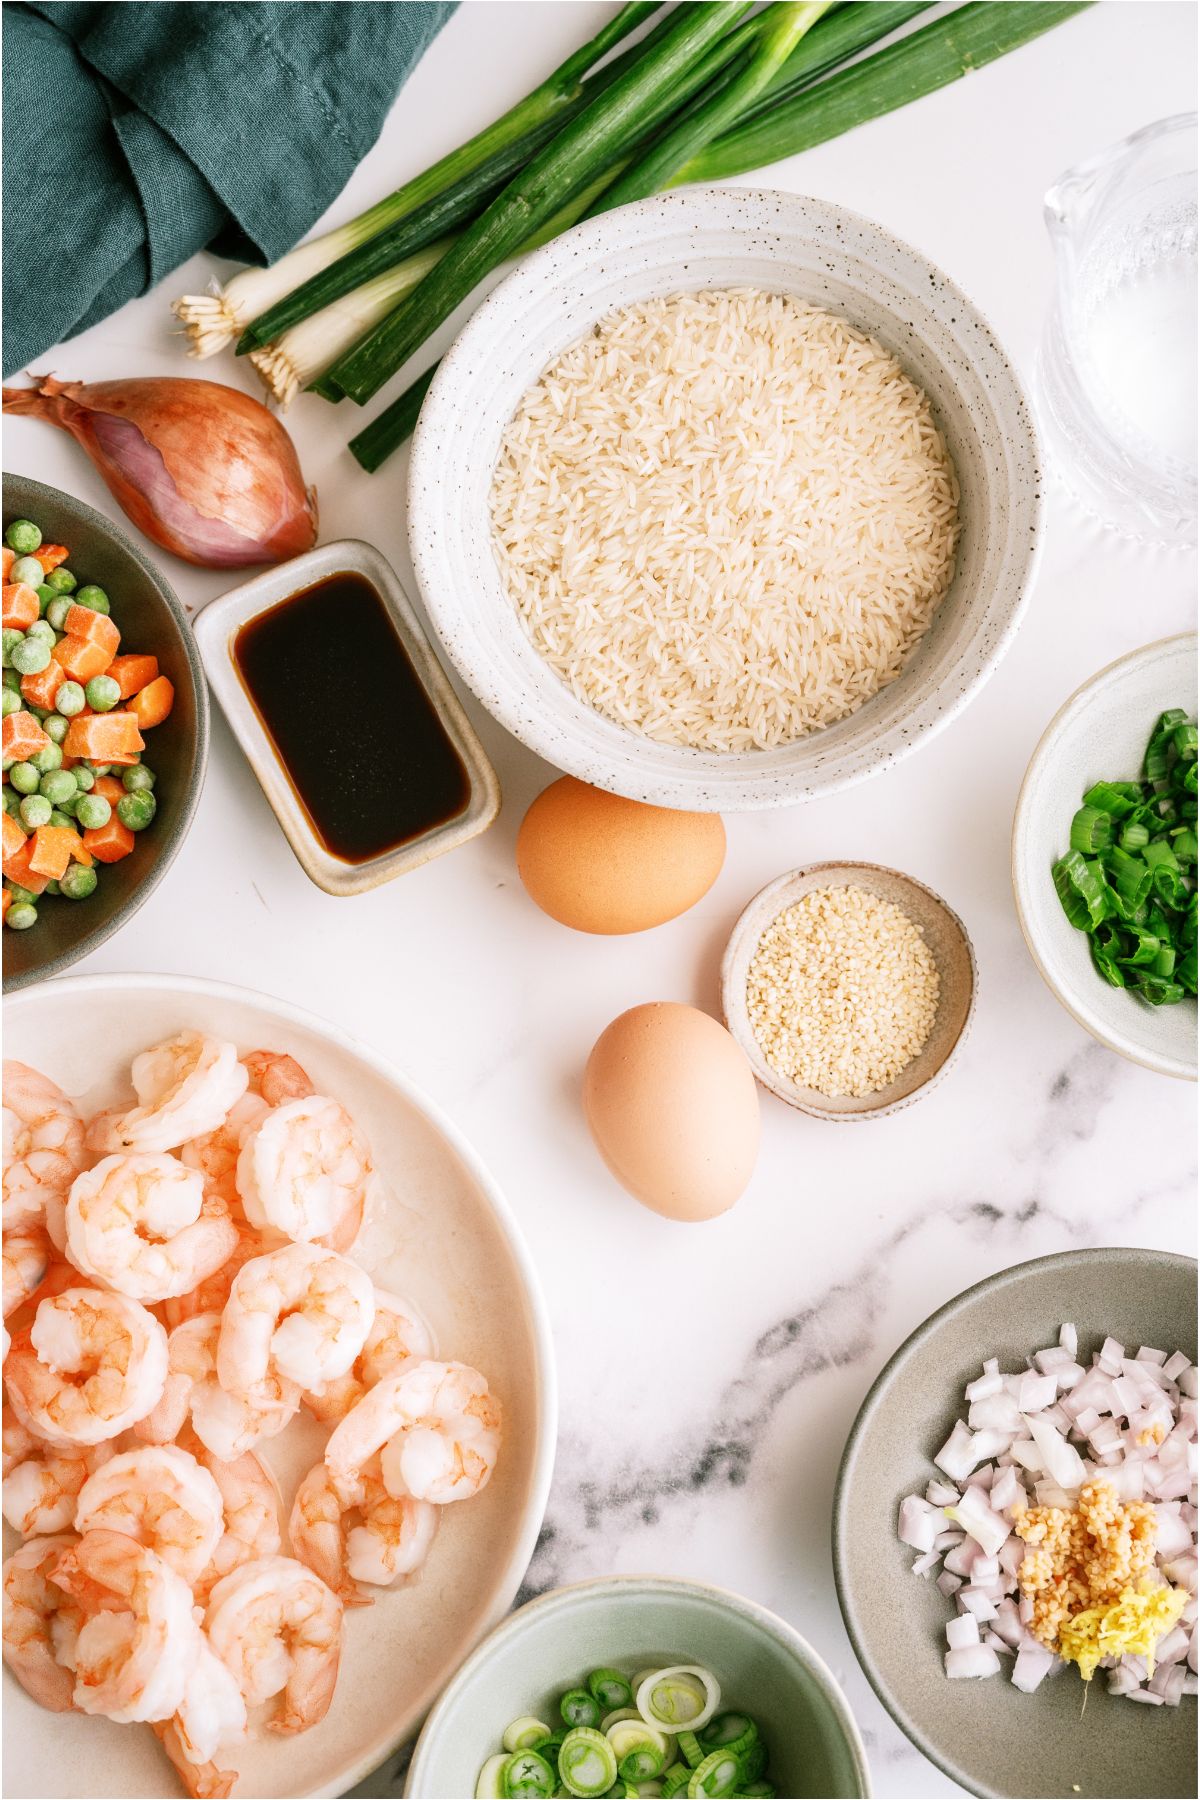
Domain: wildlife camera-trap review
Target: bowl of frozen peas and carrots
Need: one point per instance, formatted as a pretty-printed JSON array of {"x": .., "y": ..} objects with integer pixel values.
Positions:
[
  {"x": 638, "y": 1684},
  {"x": 105, "y": 730}
]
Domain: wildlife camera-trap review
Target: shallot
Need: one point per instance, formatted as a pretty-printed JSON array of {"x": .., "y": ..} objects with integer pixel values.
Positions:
[{"x": 204, "y": 470}]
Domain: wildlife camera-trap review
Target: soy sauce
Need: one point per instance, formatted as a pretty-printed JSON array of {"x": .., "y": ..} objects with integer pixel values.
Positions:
[{"x": 349, "y": 719}]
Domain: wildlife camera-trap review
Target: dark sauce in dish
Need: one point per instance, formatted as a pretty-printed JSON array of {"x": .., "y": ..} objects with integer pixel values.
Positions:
[{"x": 351, "y": 723}]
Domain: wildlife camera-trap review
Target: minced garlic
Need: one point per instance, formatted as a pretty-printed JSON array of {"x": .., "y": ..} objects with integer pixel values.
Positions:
[{"x": 842, "y": 991}]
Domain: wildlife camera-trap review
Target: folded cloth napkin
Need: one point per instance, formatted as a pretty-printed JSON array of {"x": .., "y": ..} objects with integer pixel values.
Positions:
[{"x": 137, "y": 133}]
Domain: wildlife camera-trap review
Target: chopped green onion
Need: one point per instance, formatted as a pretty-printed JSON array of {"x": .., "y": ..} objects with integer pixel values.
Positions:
[
  {"x": 679, "y": 1699},
  {"x": 1080, "y": 890},
  {"x": 1116, "y": 797},
  {"x": 1134, "y": 835},
  {"x": 578, "y": 1707},
  {"x": 527, "y": 1776},
  {"x": 642, "y": 1751},
  {"x": 586, "y": 1762},
  {"x": 1091, "y": 830},
  {"x": 525, "y": 1733},
  {"x": 489, "y": 1785},
  {"x": 610, "y": 1689},
  {"x": 691, "y": 1749},
  {"x": 716, "y": 1775},
  {"x": 676, "y": 1780}
]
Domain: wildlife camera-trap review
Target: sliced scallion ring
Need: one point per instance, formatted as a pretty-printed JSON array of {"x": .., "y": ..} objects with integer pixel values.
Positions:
[
  {"x": 716, "y": 1776},
  {"x": 642, "y": 1750},
  {"x": 679, "y": 1699},
  {"x": 734, "y": 1731},
  {"x": 527, "y": 1776},
  {"x": 675, "y": 1781},
  {"x": 525, "y": 1733},
  {"x": 691, "y": 1748},
  {"x": 587, "y": 1762},
  {"x": 622, "y": 1712},
  {"x": 609, "y": 1689},
  {"x": 488, "y": 1786},
  {"x": 578, "y": 1707}
]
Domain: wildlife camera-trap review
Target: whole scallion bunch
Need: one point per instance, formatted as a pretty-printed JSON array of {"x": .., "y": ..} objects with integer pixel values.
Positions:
[{"x": 712, "y": 90}]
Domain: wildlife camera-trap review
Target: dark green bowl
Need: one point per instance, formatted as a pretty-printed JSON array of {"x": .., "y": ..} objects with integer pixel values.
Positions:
[
  {"x": 151, "y": 619},
  {"x": 987, "y": 1735}
]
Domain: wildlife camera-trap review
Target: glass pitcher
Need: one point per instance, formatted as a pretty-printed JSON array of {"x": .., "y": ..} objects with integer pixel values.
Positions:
[{"x": 1116, "y": 371}]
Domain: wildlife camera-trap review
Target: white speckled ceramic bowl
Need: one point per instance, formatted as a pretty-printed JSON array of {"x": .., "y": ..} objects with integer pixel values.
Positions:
[
  {"x": 1100, "y": 733},
  {"x": 633, "y": 1622},
  {"x": 703, "y": 238}
]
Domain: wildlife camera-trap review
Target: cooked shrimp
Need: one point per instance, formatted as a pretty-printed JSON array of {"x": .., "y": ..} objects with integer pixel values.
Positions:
[
  {"x": 184, "y": 1088},
  {"x": 299, "y": 1312},
  {"x": 437, "y": 1427},
  {"x": 37, "y": 1618},
  {"x": 161, "y": 1497},
  {"x": 250, "y": 1502},
  {"x": 215, "y": 1154},
  {"x": 202, "y": 1780},
  {"x": 28, "y": 1254},
  {"x": 43, "y": 1144},
  {"x": 391, "y": 1541},
  {"x": 279, "y": 1629},
  {"x": 277, "y": 1078},
  {"x": 144, "y": 1226},
  {"x": 304, "y": 1171},
  {"x": 19, "y": 1441},
  {"x": 41, "y": 1491},
  {"x": 210, "y": 1295},
  {"x": 227, "y": 1424},
  {"x": 212, "y": 1713},
  {"x": 398, "y": 1333},
  {"x": 59, "y": 1277},
  {"x": 89, "y": 1366},
  {"x": 139, "y": 1641}
]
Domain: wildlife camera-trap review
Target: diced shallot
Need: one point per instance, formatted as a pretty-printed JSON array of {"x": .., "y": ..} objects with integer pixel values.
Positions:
[
  {"x": 973, "y": 1664},
  {"x": 962, "y": 1632},
  {"x": 1031, "y": 1668},
  {"x": 919, "y": 1523}
]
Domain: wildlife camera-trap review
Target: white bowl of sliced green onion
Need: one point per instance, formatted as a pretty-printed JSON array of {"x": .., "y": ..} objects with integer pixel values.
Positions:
[
  {"x": 1104, "y": 856},
  {"x": 640, "y": 1685}
]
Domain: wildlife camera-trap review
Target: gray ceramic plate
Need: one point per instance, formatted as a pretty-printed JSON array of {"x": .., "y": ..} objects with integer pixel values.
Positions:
[
  {"x": 985, "y": 1734},
  {"x": 152, "y": 620}
]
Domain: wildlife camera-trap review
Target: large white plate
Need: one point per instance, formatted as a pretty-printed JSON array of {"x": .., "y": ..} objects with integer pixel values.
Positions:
[{"x": 444, "y": 1236}]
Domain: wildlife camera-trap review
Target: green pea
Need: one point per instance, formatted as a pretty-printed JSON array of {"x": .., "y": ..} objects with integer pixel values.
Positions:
[
  {"x": 52, "y": 887},
  {"x": 23, "y": 536},
  {"x": 12, "y": 640},
  {"x": 46, "y": 598},
  {"x": 55, "y": 727},
  {"x": 100, "y": 768},
  {"x": 25, "y": 777},
  {"x": 63, "y": 816},
  {"x": 31, "y": 656},
  {"x": 21, "y": 916},
  {"x": 9, "y": 801},
  {"x": 56, "y": 612},
  {"x": 12, "y": 680},
  {"x": 27, "y": 569},
  {"x": 42, "y": 628},
  {"x": 135, "y": 811},
  {"x": 22, "y": 896},
  {"x": 35, "y": 810},
  {"x": 92, "y": 811},
  {"x": 92, "y": 597},
  {"x": 47, "y": 758},
  {"x": 78, "y": 882},
  {"x": 102, "y": 693},
  {"x": 12, "y": 702},
  {"x": 137, "y": 778},
  {"x": 58, "y": 785},
  {"x": 85, "y": 781},
  {"x": 62, "y": 581},
  {"x": 70, "y": 699}
]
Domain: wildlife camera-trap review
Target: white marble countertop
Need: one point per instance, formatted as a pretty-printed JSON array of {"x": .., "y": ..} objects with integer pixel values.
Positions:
[{"x": 767, "y": 1326}]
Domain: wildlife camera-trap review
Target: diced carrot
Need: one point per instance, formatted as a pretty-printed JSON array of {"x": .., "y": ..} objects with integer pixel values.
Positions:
[
  {"x": 10, "y": 557},
  {"x": 40, "y": 689},
  {"x": 103, "y": 737},
  {"x": 17, "y": 868},
  {"x": 154, "y": 702},
  {"x": 94, "y": 628},
  {"x": 50, "y": 555},
  {"x": 14, "y": 837},
  {"x": 22, "y": 737},
  {"x": 21, "y": 605},
  {"x": 5, "y": 903},
  {"x": 109, "y": 843},
  {"x": 51, "y": 852},
  {"x": 109, "y": 788},
  {"x": 132, "y": 673},
  {"x": 80, "y": 852},
  {"x": 81, "y": 658}
]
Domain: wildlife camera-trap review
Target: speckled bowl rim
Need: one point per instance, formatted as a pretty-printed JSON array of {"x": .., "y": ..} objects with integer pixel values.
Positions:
[
  {"x": 427, "y": 498},
  {"x": 1061, "y": 1262},
  {"x": 1126, "y": 1047},
  {"x": 740, "y": 1029},
  {"x": 168, "y": 842},
  {"x": 562, "y": 1599}
]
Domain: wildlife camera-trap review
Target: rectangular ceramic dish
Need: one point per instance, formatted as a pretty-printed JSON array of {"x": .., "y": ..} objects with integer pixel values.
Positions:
[{"x": 216, "y": 631}]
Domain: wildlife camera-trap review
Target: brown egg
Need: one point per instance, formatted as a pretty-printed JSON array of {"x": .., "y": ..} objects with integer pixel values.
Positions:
[
  {"x": 600, "y": 863},
  {"x": 673, "y": 1108}
]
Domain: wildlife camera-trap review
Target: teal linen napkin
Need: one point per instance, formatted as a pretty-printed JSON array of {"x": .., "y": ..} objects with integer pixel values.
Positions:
[{"x": 136, "y": 134}]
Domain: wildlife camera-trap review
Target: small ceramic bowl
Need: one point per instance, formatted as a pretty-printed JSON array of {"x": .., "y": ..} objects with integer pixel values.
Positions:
[
  {"x": 150, "y": 619},
  {"x": 1100, "y": 733},
  {"x": 704, "y": 238},
  {"x": 987, "y": 1735},
  {"x": 216, "y": 632},
  {"x": 943, "y": 931},
  {"x": 633, "y": 1622}
]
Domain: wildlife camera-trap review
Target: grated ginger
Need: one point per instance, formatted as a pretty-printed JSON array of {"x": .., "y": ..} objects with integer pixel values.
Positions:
[{"x": 1130, "y": 1627}]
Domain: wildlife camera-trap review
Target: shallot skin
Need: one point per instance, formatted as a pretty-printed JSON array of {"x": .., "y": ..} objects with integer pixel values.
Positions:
[{"x": 203, "y": 470}]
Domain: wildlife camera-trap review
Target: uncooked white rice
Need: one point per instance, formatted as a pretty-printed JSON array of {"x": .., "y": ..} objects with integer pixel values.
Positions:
[{"x": 725, "y": 518}]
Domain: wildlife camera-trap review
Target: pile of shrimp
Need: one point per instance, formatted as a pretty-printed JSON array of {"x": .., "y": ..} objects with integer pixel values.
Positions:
[{"x": 178, "y": 1284}]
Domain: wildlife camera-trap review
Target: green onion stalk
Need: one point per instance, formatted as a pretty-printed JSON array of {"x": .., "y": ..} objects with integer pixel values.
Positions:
[{"x": 211, "y": 321}]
